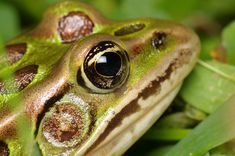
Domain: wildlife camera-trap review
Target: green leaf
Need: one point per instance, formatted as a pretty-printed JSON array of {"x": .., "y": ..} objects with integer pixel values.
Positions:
[
  {"x": 175, "y": 120},
  {"x": 217, "y": 129},
  {"x": 227, "y": 149},
  {"x": 195, "y": 113},
  {"x": 228, "y": 37},
  {"x": 160, "y": 151},
  {"x": 26, "y": 136},
  {"x": 9, "y": 26},
  {"x": 209, "y": 85},
  {"x": 173, "y": 134}
]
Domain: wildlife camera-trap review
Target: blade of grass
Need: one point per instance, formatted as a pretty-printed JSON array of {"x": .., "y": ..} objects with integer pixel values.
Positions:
[
  {"x": 217, "y": 129},
  {"x": 209, "y": 85},
  {"x": 216, "y": 70},
  {"x": 174, "y": 134}
]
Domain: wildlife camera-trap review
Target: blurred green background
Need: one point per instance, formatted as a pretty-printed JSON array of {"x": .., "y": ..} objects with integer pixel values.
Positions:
[
  {"x": 208, "y": 16},
  {"x": 213, "y": 20}
]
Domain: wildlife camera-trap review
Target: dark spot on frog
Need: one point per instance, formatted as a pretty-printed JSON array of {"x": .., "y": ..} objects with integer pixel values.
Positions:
[
  {"x": 155, "y": 85},
  {"x": 159, "y": 40},
  {"x": 4, "y": 151},
  {"x": 64, "y": 125},
  {"x": 74, "y": 26},
  {"x": 25, "y": 76},
  {"x": 22, "y": 79},
  {"x": 129, "y": 29},
  {"x": 15, "y": 52}
]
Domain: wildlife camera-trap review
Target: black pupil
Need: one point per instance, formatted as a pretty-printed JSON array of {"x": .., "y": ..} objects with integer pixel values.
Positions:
[{"x": 108, "y": 64}]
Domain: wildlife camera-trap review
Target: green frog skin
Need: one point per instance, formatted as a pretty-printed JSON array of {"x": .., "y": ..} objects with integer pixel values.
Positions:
[{"x": 86, "y": 85}]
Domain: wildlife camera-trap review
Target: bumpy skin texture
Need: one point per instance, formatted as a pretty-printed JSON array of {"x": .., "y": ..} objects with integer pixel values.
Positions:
[{"x": 48, "y": 93}]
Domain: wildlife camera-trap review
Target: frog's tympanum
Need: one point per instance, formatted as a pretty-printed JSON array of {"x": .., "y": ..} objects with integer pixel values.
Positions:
[{"x": 87, "y": 85}]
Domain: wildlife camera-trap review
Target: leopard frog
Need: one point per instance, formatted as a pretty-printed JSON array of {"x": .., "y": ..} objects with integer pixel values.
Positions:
[{"x": 80, "y": 84}]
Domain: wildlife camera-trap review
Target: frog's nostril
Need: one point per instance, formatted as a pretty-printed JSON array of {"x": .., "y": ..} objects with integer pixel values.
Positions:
[
  {"x": 159, "y": 40},
  {"x": 129, "y": 29},
  {"x": 74, "y": 26},
  {"x": 4, "y": 151},
  {"x": 15, "y": 52}
]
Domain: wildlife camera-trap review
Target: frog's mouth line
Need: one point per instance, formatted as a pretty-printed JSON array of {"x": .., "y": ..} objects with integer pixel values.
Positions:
[{"x": 153, "y": 88}]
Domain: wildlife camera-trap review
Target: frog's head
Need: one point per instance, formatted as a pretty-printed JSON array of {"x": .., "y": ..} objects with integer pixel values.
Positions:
[
  {"x": 119, "y": 86},
  {"x": 107, "y": 83}
]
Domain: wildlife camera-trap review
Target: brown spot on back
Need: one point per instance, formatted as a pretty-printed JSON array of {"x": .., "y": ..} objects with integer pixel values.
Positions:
[
  {"x": 15, "y": 52},
  {"x": 24, "y": 76},
  {"x": 4, "y": 151},
  {"x": 74, "y": 26},
  {"x": 22, "y": 79}
]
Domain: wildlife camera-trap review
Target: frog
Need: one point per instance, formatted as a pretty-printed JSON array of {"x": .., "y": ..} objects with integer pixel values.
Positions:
[{"x": 88, "y": 85}]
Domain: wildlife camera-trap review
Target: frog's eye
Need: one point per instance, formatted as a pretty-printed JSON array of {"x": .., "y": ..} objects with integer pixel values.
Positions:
[{"x": 106, "y": 67}]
